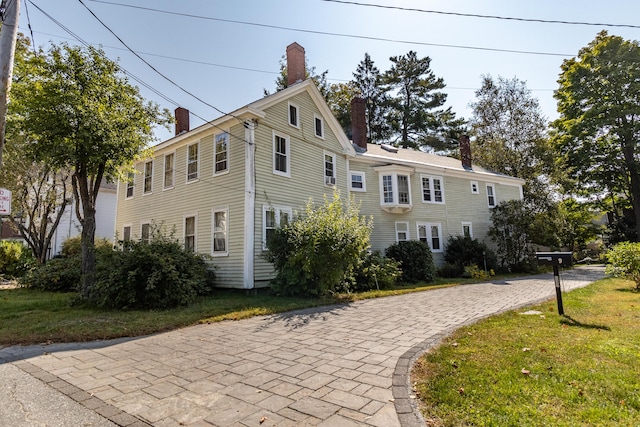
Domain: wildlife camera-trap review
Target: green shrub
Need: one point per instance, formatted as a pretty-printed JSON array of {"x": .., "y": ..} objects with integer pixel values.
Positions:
[
  {"x": 376, "y": 272},
  {"x": 623, "y": 260},
  {"x": 71, "y": 246},
  {"x": 60, "y": 274},
  {"x": 15, "y": 259},
  {"x": 466, "y": 251},
  {"x": 318, "y": 252},
  {"x": 156, "y": 275},
  {"x": 450, "y": 271},
  {"x": 415, "y": 258}
]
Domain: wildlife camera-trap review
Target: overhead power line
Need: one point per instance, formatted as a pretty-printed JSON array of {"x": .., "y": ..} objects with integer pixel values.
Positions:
[
  {"x": 475, "y": 15},
  {"x": 327, "y": 33}
]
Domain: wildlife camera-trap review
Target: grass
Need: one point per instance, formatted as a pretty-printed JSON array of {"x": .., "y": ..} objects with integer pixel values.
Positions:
[
  {"x": 29, "y": 316},
  {"x": 580, "y": 369}
]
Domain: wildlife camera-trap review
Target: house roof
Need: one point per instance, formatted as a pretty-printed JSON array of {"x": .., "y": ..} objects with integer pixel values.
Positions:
[
  {"x": 255, "y": 110},
  {"x": 419, "y": 159}
]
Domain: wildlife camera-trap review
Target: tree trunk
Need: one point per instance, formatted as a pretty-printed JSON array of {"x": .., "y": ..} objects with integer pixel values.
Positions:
[
  {"x": 88, "y": 253},
  {"x": 634, "y": 182}
]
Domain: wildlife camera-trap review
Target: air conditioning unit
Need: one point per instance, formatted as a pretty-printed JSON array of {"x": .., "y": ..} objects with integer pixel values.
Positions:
[{"x": 330, "y": 180}]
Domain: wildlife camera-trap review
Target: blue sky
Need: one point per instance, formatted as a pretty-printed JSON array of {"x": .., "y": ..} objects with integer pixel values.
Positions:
[{"x": 228, "y": 64}]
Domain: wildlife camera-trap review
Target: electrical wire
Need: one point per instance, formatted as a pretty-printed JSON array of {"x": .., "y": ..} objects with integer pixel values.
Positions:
[
  {"x": 33, "y": 40},
  {"x": 475, "y": 15},
  {"x": 326, "y": 33}
]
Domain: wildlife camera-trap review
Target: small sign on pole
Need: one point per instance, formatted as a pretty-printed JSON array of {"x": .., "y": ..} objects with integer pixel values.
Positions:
[{"x": 5, "y": 201}]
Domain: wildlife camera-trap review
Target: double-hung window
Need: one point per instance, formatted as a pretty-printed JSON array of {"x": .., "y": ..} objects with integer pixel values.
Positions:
[
  {"x": 192, "y": 161},
  {"x": 329, "y": 169},
  {"x": 491, "y": 195},
  {"x": 402, "y": 231},
  {"x": 130, "y": 182},
  {"x": 190, "y": 233},
  {"x": 431, "y": 234},
  {"x": 467, "y": 230},
  {"x": 148, "y": 177},
  {"x": 357, "y": 181},
  {"x": 126, "y": 233},
  {"x": 220, "y": 231},
  {"x": 432, "y": 189},
  {"x": 474, "y": 187},
  {"x": 272, "y": 218},
  {"x": 281, "y": 155},
  {"x": 169, "y": 168},
  {"x": 221, "y": 153},
  {"x": 145, "y": 233}
]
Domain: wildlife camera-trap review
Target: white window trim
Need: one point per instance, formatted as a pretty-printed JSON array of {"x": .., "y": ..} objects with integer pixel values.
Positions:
[
  {"x": 195, "y": 230},
  {"x": 144, "y": 178},
  {"x": 364, "y": 182},
  {"x": 278, "y": 212},
  {"x": 197, "y": 178},
  {"x": 324, "y": 169},
  {"x": 288, "y": 154},
  {"x": 470, "y": 225},
  {"x": 215, "y": 152},
  {"x": 475, "y": 190},
  {"x": 406, "y": 230},
  {"x": 224, "y": 209},
  {"x": 297, "y": 107},
  {"x": 315, "y": 132},
  {"x": 428, "y": 226},
  {"x": 130, "y": 183},
  {"x": 431, "y": 179},
  {"x": 173, "y": 172},
  {"x": 495, "y": 201}
]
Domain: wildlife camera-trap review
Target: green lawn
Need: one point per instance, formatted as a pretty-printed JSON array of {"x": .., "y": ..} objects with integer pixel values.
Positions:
[
  {"x": 581, "y": 369},
  {"x": 29, "y": 316}
]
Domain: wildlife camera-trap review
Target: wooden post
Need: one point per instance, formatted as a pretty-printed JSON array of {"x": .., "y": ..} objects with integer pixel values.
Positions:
[{"x": 8, "y": 35}]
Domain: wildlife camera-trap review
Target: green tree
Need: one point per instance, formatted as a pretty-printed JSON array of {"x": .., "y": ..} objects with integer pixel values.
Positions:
[
  {"x": 511, "y": 136},
  {"x": 80, "y": 114},
  {"x": 339, "y": 100},
  {"x": 310, "y": 73},
  {"x": 40, "y": 193},
  {"x": 415, "y": 99},
  {"x": 510, "y": 230},
  {"x": 597, "y": 133},
  {"x": 320, "y": 250},
  {"x": 368, "y": 82}
]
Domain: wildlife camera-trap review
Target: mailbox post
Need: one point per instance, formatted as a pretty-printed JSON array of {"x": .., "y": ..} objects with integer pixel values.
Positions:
[{"x": 556, "y": 259}]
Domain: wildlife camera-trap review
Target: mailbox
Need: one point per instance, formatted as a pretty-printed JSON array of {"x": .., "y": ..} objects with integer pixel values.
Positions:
[{"x": 557, "y": 259}]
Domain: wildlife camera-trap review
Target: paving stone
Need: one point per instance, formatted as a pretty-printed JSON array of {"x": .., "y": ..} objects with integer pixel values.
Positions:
[{"x": 323, "y": 366}]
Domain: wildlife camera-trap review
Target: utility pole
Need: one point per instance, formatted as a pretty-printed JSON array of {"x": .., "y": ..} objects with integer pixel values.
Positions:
[{"x": 9, "y": 11}]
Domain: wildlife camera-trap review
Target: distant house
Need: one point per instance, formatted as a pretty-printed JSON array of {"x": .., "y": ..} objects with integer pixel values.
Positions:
[
  {"x": 226, "y": 185},
  {"x": 105, "y": 219}
]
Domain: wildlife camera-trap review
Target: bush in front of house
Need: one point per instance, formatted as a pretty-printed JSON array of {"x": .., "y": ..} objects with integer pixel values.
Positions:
[
  {"x": 318, "y": 252},
  {"x": 375, "y": 272},
  {"x": 465, "y": 251},
  {"x": 15, "y": 259},
  {"x": 415, "y": 258},
  {"x": 623, "y": 260},
  {"x": 62, "y": 273},
  {"x": 160, "y": 274}
]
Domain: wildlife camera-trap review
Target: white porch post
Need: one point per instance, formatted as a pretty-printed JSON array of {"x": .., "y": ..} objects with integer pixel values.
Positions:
[{"x": 249, "y": 203}]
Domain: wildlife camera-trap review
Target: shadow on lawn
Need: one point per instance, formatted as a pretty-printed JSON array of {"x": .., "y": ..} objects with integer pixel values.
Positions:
[{"x": 570, "y": 321}]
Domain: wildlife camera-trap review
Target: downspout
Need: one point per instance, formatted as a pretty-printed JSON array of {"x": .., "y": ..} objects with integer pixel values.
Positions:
[{"x": 249, "y": 203}]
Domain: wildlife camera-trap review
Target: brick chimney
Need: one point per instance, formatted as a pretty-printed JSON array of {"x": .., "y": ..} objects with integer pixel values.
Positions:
[
  {"x": 296, "y": 69},
  {"x": 182, "y": 120},
  {"x": 359, "y": 122},
  {"x": 465, "y": 151}
]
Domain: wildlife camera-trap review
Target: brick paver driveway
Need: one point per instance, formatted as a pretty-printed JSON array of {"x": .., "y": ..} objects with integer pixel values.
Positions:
[{"x": 333, "y": 366}]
